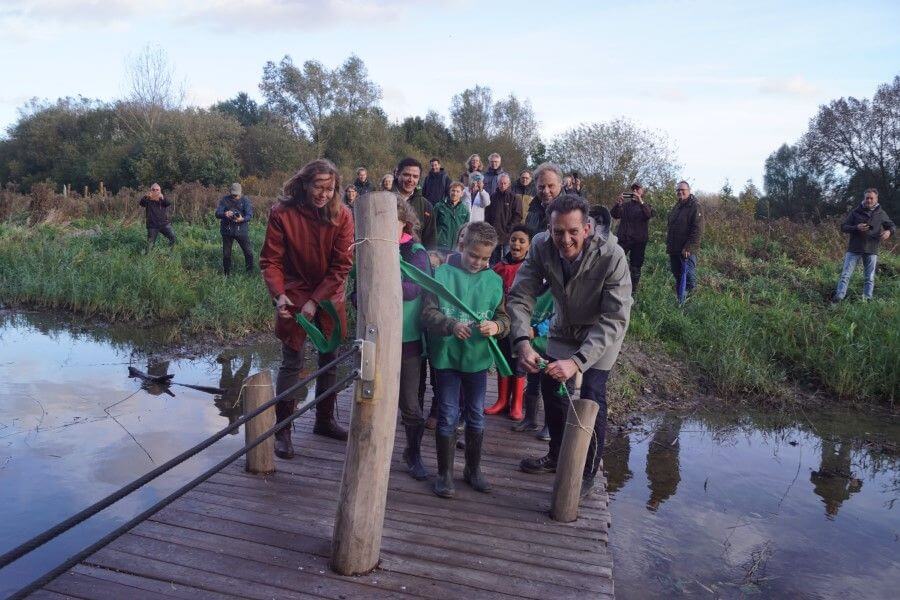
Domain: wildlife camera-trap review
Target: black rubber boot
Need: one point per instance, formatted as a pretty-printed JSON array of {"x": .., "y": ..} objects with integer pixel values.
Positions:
[
  {"x": 325, "y": 423},
  {"x": 587, "y": 487},
  {"x": 529, "y": 423},
  {"x": 472, "y": 471},
  {"x": 413, "y": 452},
  {"x": 446, "y": 448},
  {"x": 284, "y": 448},
  {"x": 544, "y": 464}
]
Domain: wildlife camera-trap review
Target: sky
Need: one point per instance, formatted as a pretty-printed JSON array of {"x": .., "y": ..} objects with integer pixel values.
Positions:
[{"x": 726, "y": 82}]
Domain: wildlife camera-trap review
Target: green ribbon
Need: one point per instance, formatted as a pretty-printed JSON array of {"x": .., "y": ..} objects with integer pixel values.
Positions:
[
  {"x": 562, "y": 390},
  {"x": 432, "y": 285},
  {"x": 315, "y": 334}
]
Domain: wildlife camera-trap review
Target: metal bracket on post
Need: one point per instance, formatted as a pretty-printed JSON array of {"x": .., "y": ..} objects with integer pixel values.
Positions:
[{"x": 367, "y": 363}]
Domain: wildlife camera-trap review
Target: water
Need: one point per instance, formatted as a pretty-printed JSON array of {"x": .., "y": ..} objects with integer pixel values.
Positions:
[
  {"x": 704, "y": 505},
  {"x": 74, "y": 427},
  {"x": 751, "y": 505}
]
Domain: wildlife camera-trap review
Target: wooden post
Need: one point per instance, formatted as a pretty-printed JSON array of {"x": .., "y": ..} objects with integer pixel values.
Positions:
[
  {"x": 572, "y": 456},
  {"x": 65, "y": 191},
  {"x": 102, "y": 190},
  {"x": 258, "y": 391},
  {"x": 360, "y": 514}
]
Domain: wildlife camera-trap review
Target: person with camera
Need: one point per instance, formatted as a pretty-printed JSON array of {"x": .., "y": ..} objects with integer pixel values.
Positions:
[
  {"x": 633, "y": 232},
  {"x": 234, "y": 213},
  {"x": 868, "y": 225},
  {"x": 572, "y": 184},
  {"x": 156, "y": 211}
]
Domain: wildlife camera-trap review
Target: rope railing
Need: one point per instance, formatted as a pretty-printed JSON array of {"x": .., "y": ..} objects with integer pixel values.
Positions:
[{"x": 60, "y": 528}]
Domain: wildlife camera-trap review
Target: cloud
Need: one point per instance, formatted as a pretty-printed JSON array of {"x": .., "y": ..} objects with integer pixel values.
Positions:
[
  {"x": 791, "y": 86},
  {"x": 94, "y": 11},
  {"x": 288, "y": 15}
]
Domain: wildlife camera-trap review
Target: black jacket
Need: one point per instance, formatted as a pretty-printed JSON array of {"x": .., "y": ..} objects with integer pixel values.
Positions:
[
  {"x": 685, "y": 227},
  {"x": 866, "y": 242},
  {"x": 537, "y": 218},
  {"x": 425, "y": 212},
  {"x": 436, "y": 186},
  {"x": 363, "y": 187},
  {"x": 156, "y": 214},
  {"x": 504, "y": 213},
  {"x": 492, "y": 179},
  {"x": 634, "y": 221},
  {"x": 240, "y": 206}
]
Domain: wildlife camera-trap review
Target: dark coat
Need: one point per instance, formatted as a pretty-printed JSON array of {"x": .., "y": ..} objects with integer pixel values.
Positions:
[
  {"x": 425, "y": 212},
  {"x": 685, "y": 227},
  {"x": 537, "y": 218},
  {"x": 363, "y": 187},
  {"x": 436, "y": 186},
  {"x": 241, "y": 206},
  {"x": 155, "y": 212},
  {"x": 492, "y": 179},
  {"x": 504, "y": 213},
  {"x": 634, "y": 221},
  {"x": 866, "y": 242}
]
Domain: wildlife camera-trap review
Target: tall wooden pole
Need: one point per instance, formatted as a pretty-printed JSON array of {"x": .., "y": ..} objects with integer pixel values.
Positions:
[
  {"x": 258, "y": 391},
  {"x": 360, "y": 514}
]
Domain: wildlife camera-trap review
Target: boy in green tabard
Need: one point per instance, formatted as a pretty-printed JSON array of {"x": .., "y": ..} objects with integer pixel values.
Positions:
[{"x": 459, "y": 352}]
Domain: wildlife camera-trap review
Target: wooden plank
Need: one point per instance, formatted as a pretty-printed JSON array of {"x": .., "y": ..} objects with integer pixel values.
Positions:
[
  {"x": 256, "y": 536},
  {"x": 154, "y": 585}
]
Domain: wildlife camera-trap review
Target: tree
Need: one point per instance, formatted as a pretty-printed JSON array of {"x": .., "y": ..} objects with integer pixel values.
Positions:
[
  {"x": 471, "y": 112},
  {"x": 749, "y": 198},
  {"x": 151, "y": 88},
  {"x": 615, "y": 154},
  {"x": 726, "y": 194},
  {"x": 515, "y": 121},
  {"x": 793, "y": 187},
  {"x": 858, "y": 141},
  {"x": 307, "y": 98},
  {"x": 429, "y": 135},
  {"x": 243, "y": 108}
]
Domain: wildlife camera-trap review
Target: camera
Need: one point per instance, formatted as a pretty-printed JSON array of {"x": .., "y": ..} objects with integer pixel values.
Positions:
[
  {"x": 575, "y": 175},
  {"x": 628, "y": 195}
]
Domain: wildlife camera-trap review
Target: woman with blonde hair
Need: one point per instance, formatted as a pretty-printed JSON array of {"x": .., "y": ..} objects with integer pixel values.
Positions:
[
  {"x": 305, "y": 260},
  {"x": 473, "y": 164}
]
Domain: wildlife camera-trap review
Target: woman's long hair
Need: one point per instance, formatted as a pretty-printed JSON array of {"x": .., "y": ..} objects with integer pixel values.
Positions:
[
  {"x": 296, "y": 188},
  {"x": 407, "y": 214}
]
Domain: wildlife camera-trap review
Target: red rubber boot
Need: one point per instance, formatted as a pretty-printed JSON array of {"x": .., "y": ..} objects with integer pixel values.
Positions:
[
  {"x": 518, "y": 393},
  {"x": 502, "y": 396}
]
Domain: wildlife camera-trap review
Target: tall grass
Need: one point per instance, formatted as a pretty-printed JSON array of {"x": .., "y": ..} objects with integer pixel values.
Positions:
[
  {"x": 101, "y": 270},
  {"x": 758, "y": 319},
  {"x": 760, "y": 316}
]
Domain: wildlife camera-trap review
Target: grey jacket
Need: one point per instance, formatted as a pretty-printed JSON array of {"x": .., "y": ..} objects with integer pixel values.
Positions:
[{"x": 591, "y": 312}]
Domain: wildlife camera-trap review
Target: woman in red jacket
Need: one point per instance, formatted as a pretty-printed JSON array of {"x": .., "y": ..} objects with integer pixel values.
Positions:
[{"x": 305, "y": 260}]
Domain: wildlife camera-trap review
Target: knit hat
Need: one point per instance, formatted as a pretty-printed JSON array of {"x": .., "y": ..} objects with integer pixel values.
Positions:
[
  {"x": 476, "y": 176},
  {"x": 236, "y": 189}
]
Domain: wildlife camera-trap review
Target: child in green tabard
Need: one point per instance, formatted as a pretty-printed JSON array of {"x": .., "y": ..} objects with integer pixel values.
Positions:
[{"x": 459, "y": 351}]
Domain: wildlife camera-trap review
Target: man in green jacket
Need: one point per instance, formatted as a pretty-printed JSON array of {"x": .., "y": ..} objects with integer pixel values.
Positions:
[
  {"x": 406, "y": 184},
  {"x": 591, "y": 286},
  {"x": 683, "y": 240}
]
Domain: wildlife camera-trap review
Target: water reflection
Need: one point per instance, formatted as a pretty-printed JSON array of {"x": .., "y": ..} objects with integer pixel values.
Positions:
[
  {"x": 663, "y": 472},
  {"x": 752, "y": 503},
  {"x": 70, "y": 412},
  {"x": 834, "y": 481},
  {"x": 229, "y": 403}
]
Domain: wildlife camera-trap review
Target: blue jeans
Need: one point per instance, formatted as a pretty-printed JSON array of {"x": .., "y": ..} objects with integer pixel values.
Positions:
[
  {"x": 685, "y": 272},
  {"x": 474, "y": 386},
  {"x": 850, "y": 259}
]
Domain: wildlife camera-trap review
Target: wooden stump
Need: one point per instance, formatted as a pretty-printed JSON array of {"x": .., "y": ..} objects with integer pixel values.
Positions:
[
  {"x": 358, "y": 525},
  {"x": 258, "y": 391},
  {"x": 572, "y": 456}
]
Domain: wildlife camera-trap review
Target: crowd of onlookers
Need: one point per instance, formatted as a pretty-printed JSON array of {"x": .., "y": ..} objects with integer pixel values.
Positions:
[{"x": 526, "y": 263}]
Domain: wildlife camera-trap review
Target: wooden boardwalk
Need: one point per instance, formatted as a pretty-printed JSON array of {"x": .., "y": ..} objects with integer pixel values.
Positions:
[{"x": 244, "y": 536}]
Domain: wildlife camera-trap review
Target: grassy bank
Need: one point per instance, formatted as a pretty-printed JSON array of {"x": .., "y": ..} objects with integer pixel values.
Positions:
[
  {"x": 758, "y": 320},
  {"x": 99, "y": 269},
  {"x": 760, "y": 316}
]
